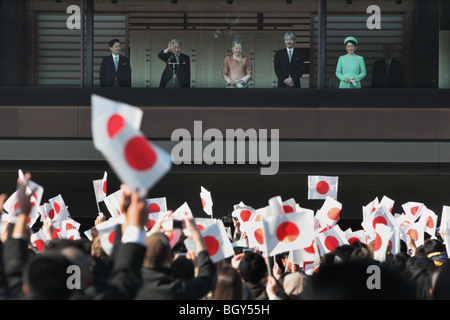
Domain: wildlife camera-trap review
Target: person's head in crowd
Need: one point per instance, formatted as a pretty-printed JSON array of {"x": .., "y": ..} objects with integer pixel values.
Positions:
[
  {"x": 182, "y": 267},
  {"x": 252, "y": 268},
  {"x": 344, "y": 252},
  {"x": 421, "y": 281},
  {"x": 350, "y": 281},
  {"x": 441, "y": 283},
  {"x": 158, "y": 253},
  {"x": 45, "y": 276},
  {"x": 297, "y": 286},
  {"x": 228, "y": 284},
  {"x": 435, "y": 250}
]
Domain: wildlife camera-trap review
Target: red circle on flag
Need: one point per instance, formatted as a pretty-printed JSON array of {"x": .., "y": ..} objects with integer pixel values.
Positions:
[
  {"x": 414, "y": 210},
  {"x": 413, "y": 234},
  {"x": 153, "y": 207},
  {"x": 259, "y": 236},
  {"x": 200, "y": 227},
  {"x": 287, "y": 232},
  {"x": 322, "y": 187},
  {"x": 55, "y": 233},
  {"x": 112, "y": 236},
  {"x": 39, "y": 244},
  {"x": 331, "y": 243},
  {"x": 212, "y": 245},
  {"x": 203, "y": 203},
  {"x": 352, "y": 240},
  {"x": 310, "y": 249},
  {"x": 57, "y": 207},
  {"x": 69, "y": 226},
  {"x": 51, "y": 214},
  {"x": 377, "y": 243},
  {"x": 429, "y": 222},
  {"x": 288, "y": 209},
  {"x": 378, "y": 220},
  {"x": 104, "y": 187},
  {"x": 139, "y": 154},
  {"x": 333, "y": 213},
  {"x": 150, "y": 223},
  {"x": 245, "y": 215},
  {"x": 115, "y": 124}
]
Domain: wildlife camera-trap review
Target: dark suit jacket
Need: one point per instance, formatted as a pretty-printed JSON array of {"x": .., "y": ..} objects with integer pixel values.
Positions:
[
  {"x": 159, "y": 285},
  {"x": 394, "y": 78},
  {"x": 283, "y": 68},
  {"x": 183, "y": 70},
  {"x": 108, "y": 72}
]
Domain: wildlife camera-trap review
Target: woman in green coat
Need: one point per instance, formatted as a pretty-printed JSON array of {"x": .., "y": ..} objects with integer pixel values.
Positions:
[{"x": 350, "y": 68}]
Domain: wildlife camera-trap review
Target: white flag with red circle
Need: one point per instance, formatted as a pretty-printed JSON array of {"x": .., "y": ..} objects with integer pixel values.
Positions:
[
  {"x": 288, "y": 232},
  {"x": 139, "y": 163},
  {"x": 289, "y": 205},
  {"x": 329, "y": 213},
  {"x": 321, "y": 187},
  {"x": 217, "y": 243},
  {"x": 445, "y": 217},
  {"x": 413, "y": 210},
  {"x": 100, "y": 187},
  {"x": 429, "y": 220},
  {"x": 382, "y": 242},
  {"x": 255, "y": 235},
  {"x": 156, "y": 204},
  {"x": 415, "y": 231},
  {"x": 112, "y": 203},
  {"x": 370, "y": 207},
  {"x": 380, "y": 216},
  {"x": 183, "y": 211},
  {"x": 72, "y": 234},
  {"x": 243, "y": 213},
  {"x": 107, "y": 232},
  {"x": 330, "y": 238},
  {"x": 354, "y": 236},
  {"x": 207, "y": 203},
  {"x": 38, "y": 240},
  {"x": 203, "y": 223},
  {"x": 388, "y": 203},
  {"x": 60, "y": 211}
]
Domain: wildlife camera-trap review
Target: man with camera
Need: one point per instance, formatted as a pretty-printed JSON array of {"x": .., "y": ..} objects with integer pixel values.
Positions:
[{"x": 158, "y": 283}]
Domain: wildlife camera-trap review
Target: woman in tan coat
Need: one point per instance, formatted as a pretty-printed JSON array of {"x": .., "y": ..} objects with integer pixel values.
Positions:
[{"x": 237, "y": 69}]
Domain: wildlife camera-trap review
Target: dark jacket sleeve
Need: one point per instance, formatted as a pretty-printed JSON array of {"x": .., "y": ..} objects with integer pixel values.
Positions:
[
  {"x": 16, "y": 255},
  {"x": 202, "y": 283}
]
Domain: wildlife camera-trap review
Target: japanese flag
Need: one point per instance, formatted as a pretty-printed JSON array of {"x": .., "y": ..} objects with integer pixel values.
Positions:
[
  {"x": 289, "y": 205},
  {"x": 243, "y": 212},
  {"x": 136, "y": 161},
  {"x": 329, "y": 239},
  {"x": 288, "y": 232},
  {"x": 415, "y": 231},
  {"x": 107, "y": 232},
  {"x": 112, "y": 202},
  {"x": 205, "y": 197},
  {"x": 203, "y": 223},
  {"x": 38, "y": 240},
  {"x": 382, "y": 241},
  {"x": 328, "y": 214},
  {"x": 69, "y": 224},
  {"x": 217, "y": 243},
  {"x": 370, "y": 207},
  {"x": 429, "y": 220},
  {"x": 72, "y": 234},
  {"x": 388, "y": 203},
  {"x": 156, "y": 205},
  {"x": 445, "y": 216},
  {"x": 321, "y": 187},
  {"x": 413, "y": 210},
  {"x": 59, "y": 208},
  {"x": 183, "y": 211},
  {"x": 354, "y": 236},
  {"x": 379, "y": 216},
  {"x": 255, "y": 235},
  {"x": 100, "y": 187},
  {"x": 12, "y": 203}
]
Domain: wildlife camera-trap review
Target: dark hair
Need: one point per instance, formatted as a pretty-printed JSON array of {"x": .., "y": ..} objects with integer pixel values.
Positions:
[
  {"x": 45, "y": 275},
  {"x": 158, "y": 250},
  {"x": 433, "y": 245},
  {"x": 111, "y": 43},
  {"x": 252, "y": 267},
  {"x": 351, "y": 41},
  {"x": 182, "y": 268},
  {"x": 228, "y": 284}
]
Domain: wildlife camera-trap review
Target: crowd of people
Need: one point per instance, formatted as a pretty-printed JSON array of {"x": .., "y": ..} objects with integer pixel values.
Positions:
[
  {"x": 144, "y": 265},
  {"x": 237, "y": 69}
]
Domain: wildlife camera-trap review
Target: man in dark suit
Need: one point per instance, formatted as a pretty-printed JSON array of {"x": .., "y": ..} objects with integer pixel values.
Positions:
[
  {"x": 289, "y": 63},
  {"x": 387, "y": 72},
  {"x": 115, "y": 70},
  {"x": 177, "y": 73}
]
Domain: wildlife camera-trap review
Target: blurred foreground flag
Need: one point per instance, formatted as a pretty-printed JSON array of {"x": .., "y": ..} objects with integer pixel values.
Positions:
[
  {"x": 136, "y": 161},
  {"x": 321, "y": 187}
]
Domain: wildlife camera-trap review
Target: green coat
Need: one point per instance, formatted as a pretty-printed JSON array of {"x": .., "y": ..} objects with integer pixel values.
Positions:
[{"x": 350, "y": 67}]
